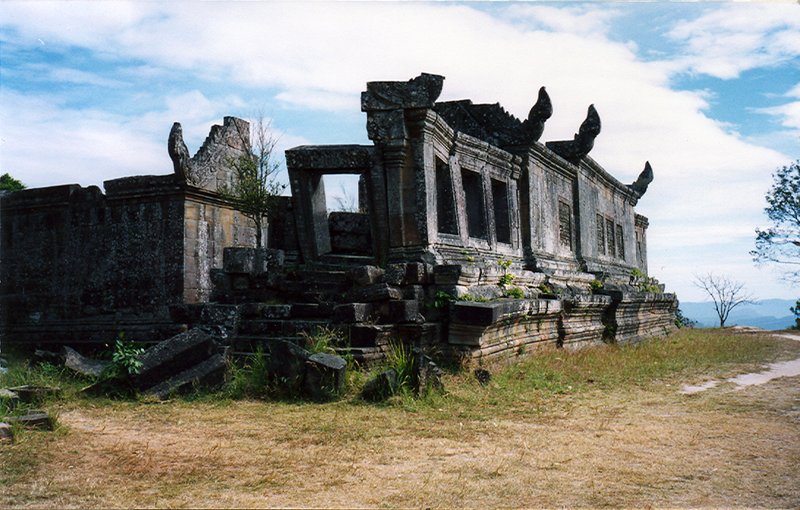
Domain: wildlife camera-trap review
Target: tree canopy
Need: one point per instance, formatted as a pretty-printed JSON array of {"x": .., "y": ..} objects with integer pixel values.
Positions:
[
  {"x": 8, "y": 183},
  {"x": 780, "y": 243}
]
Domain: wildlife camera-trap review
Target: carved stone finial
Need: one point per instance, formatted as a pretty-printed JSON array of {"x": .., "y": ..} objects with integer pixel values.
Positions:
[
  {"x": 639, "y": 187},
  {"x": 589, "y": 129},
  {"x": 540, "y": 112},
  {"x": 576, "y": 149},
  {"x": 181, "y": 161}
]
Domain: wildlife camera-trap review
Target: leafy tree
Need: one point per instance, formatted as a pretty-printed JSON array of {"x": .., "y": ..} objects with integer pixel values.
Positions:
[
  {"x": 255, "y": 189},
  {"x": 781, "y": 242},
  {"x": 796, "y": 311},
  {"x": 8, "y": 183},
  {"x": 726, "y": 293}
]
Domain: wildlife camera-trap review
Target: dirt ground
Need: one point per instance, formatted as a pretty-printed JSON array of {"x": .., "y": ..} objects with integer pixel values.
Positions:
[{"x": 639, "y": 447}]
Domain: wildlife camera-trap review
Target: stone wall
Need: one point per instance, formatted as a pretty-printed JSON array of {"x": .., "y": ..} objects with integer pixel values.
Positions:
[{"x": 80, "y": 266}]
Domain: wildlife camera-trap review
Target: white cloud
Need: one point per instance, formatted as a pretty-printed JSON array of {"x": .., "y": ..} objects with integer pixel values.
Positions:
[{"x": 736, "y": 37}]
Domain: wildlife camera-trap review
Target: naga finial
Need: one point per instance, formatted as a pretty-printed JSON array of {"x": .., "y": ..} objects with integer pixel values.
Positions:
[
  {"x": 540, "y": 112},
  {"x": 578, "y": 148},
  {"x": 639, "y": 187},
  {"x": 178, "y": 152}
]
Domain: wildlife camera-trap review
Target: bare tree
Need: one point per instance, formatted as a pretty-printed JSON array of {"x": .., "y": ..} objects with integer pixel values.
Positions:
[
  {"x": 725, "y": 292},
  {"x": 255, "y": 189}
]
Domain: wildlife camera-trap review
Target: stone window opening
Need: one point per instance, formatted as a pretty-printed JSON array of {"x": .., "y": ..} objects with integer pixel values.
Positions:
[
  {"x": 620, "y": 243},
  {"x": 502, "y": 220},
  {"x": 601, "y": 234},
  {"x": 446, "y": 217},
  {"x": 473, "y": 201},
  {"x": 565, "y": 224},
  {"x": 611, "y": 248}
]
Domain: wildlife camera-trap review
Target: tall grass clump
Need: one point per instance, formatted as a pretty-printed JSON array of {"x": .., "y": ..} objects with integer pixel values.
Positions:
[
  {"x": 400, "y": 358},
  {"x": 251, "y": 379}
]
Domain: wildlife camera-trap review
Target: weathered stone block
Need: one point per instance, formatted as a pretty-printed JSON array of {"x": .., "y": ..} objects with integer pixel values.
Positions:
[
  {"x": 325, "y": 376},
  {"x": 83, "y": 365},
  {"x": 352, "y": 312},
  {"x": 287, "y": 365},
  {"x": 395, "y": 274},
  {"x": 173, "y": 356},
  {"x": 414, "y": 292},
  {"x": 366, "y": 275},
  {"x": 34, "y": 419},
  {"x": 454, "y": 274},
  {"x": 380, "y": 387},
  {"x": 369, "y": 335},
  {"x": 239, "y": 260},
  {"x": 404, "y": 310},
  {"x": 31, "y": 393},
  {"x": 207, "y": 374},
  {"x": 375, "y": 292}
]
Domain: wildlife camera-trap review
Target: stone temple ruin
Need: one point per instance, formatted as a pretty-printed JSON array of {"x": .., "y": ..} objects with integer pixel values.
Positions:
[{"x": 473, "y": 240}]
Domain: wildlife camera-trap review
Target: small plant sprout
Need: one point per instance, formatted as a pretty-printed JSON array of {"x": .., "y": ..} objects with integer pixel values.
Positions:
[{"x": 507, "y": 278}]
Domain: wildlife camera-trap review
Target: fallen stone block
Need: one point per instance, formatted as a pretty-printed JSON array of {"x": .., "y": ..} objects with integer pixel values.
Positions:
[
  {"x": 83, "y": 365},
  {"x": 380, "y": 387},
  {"x": 6, "y": 433},
  {"x": 208, "y": 374},
  {"x": 287, "y": 366},
  {"x": 174, "y": 355},
  {"x": 35, "y": 419},
  {"x": 30, "y": 393},
  {"x": 325, "y": 376}
]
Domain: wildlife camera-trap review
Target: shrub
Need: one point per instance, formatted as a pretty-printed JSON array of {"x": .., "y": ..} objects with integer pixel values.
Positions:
[{"x": 515, "y": 292}]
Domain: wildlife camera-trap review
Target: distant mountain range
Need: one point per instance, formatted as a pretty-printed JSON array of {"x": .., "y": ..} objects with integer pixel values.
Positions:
[{"x": 766, "y": 314}]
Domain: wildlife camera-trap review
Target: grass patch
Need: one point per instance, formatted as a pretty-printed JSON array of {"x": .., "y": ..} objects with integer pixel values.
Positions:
[{"x": 600, "y": 416}]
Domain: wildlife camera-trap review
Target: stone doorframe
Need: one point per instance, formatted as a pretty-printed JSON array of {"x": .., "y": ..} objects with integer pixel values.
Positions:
[{"x": 307, "y": 165}]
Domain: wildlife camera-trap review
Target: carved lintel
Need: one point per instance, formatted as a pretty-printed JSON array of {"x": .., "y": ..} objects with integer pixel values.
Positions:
[
  {"x": 540, "y": 112},
  {"x": 639, "y": 187},
  {"x": 419, "y": 92}
]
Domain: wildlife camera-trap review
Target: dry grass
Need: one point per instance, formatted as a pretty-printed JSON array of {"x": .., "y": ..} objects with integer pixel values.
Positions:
[{"x": 615, "y": 441}]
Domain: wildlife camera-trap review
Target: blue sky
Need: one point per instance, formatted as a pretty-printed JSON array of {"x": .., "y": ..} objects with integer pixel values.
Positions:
[{"x": 709, "y": 93}]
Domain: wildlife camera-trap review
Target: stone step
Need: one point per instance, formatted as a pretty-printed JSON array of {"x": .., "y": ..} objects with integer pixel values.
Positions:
[{"x": 280, "y": 327}]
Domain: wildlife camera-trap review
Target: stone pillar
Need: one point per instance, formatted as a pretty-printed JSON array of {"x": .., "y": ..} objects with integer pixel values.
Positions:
[{"x": 311, "y": 213}]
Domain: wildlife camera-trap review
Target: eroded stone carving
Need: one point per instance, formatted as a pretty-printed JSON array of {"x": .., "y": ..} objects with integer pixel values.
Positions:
[
  {"x": 419, "y": 92},
  {"x": 639, "y": 187},
  {"x": 210, "y": 167},
  {"x": 178, "y": 153}
]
